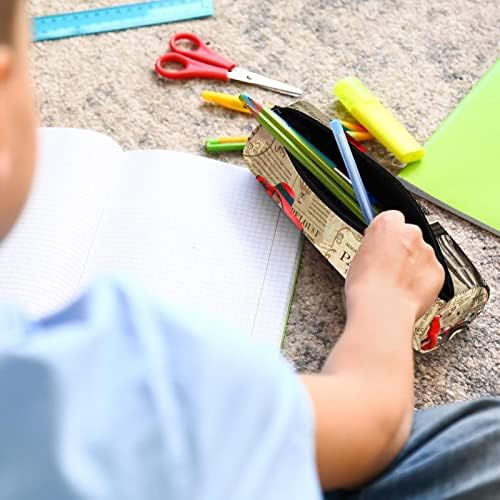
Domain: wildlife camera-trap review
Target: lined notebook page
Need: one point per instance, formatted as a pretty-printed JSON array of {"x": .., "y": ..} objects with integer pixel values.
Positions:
[
  {"x": 202, "y": 234},
  {"x": 197, "y": 232}
]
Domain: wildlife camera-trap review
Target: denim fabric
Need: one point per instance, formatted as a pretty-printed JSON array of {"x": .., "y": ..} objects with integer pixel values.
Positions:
[{"x": 453, "y": 452}]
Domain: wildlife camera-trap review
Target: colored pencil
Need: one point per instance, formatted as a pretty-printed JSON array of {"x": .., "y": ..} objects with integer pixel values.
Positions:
[
  {"x": 352, "y": 168},
  {"x": 327, "y": 165},
  {"x": 360, "y": 136},
  {"x": 304, "y": 152},
  {"x": 355, "y": 127}
]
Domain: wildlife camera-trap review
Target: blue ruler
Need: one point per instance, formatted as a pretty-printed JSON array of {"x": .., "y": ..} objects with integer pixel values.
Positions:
[{"x": 117, "y": 18}]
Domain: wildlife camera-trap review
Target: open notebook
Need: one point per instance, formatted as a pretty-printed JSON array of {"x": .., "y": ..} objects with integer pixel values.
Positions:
[{"x": 196, "y": 232}]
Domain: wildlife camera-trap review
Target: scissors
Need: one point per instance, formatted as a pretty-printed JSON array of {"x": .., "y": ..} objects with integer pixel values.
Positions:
[{"x": 202, "y": 62}]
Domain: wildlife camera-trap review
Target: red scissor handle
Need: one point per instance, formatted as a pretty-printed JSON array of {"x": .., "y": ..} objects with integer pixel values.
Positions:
[
  {"x": 190, "y": 69},
  {"x": 200, "y": 52}
]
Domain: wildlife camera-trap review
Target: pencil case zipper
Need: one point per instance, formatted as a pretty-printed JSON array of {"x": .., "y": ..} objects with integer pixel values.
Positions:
[{"x": 388, "y": 190}]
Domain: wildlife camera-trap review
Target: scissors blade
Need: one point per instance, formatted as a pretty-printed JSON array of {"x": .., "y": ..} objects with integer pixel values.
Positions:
[{"x": 245, "y": 76}]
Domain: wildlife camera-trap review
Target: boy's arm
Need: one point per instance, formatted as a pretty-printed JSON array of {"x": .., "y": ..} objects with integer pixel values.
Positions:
[{"x": 363, "y": 399}]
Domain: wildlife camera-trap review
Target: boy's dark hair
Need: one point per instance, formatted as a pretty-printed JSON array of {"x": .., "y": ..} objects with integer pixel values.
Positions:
[{"x": 7, "y": 18}]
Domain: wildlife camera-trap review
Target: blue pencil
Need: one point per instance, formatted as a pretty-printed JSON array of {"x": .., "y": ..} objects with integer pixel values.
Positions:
[{"x": 352, "y": 169}]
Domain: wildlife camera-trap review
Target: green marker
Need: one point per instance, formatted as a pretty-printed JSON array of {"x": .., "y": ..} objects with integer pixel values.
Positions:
[{"x": 215, "y": 147}]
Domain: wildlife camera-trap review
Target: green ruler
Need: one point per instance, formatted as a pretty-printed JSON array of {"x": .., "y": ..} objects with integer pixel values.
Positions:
[{"x": 120, "y": 17}]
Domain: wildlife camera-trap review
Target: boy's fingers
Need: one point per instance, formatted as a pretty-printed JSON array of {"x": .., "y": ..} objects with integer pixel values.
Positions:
[
  {"x": 429, "y": 251},
  {"x": 414, "y": 233},
  {"x": 392, "y": 217},
  {"x": 388, "y": 218}
]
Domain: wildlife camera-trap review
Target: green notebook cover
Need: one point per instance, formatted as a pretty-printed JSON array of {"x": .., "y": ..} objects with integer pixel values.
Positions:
[{"x": 461, "y": 167}]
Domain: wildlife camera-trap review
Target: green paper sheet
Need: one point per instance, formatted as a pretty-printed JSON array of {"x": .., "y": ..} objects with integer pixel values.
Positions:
[{"x": 461, "y": 167}]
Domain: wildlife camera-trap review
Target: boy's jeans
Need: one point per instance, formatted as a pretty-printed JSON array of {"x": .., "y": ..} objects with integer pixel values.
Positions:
[{"x": 453, "y": 452}]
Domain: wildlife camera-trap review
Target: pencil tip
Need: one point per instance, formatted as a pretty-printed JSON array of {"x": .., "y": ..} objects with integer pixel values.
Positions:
[{"x": 252, "y": 105}]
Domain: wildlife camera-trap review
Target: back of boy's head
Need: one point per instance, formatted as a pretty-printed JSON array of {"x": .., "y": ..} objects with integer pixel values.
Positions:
[
  {"x": 7, "y": 17},
  {"x": 17, "y": 113}
]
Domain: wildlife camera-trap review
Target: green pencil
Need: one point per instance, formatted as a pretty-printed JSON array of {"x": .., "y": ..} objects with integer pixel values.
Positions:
[
  {"x": 300, "y": 151},
  {"x": 315, "y": 170},
  {"x": 327, "y": 165},
  {"x": 321, "y": 159}
]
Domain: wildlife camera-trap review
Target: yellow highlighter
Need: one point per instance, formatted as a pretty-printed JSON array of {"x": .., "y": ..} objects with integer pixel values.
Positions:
[{"x": 378, "y": 120}]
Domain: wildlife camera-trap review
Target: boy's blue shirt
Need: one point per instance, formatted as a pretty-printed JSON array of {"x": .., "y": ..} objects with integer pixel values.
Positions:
[{"x": 120, "y": 397}]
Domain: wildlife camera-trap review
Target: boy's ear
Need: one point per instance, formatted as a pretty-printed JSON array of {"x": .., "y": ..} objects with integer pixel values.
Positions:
[{"x": 6, "y": 61}]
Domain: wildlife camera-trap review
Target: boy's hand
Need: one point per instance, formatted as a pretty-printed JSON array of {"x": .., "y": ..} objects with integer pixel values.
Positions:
[{"x": 394, "y": 264}]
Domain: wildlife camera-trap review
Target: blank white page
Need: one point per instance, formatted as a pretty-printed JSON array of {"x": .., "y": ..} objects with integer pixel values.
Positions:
[
  {"x": 203, "y": 234},
  {"x": 43, "y": 258}
]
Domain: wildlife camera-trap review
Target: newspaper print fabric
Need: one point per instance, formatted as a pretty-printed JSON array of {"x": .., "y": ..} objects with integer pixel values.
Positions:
[{"x": 268, "y": 160}]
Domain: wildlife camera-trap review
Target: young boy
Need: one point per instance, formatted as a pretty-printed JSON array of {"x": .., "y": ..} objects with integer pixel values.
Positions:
[{"x": 116, "y": 397}]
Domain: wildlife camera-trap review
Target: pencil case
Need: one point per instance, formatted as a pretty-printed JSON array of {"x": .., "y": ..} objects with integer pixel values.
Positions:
[{"x": 337, "y": 233}]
